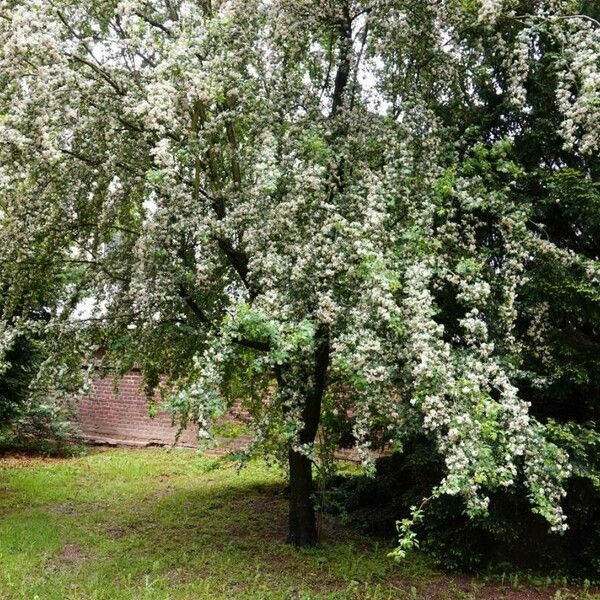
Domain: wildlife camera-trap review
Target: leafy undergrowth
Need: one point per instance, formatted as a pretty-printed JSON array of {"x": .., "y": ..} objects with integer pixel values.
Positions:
[{"x": 156, "y": 524}]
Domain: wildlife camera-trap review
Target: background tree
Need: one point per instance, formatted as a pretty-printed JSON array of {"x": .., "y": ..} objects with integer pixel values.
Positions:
[
  {"x": 28, "y": 420},
  {"x": 14, "y": 384},
  {"x": 279, "y": 202}
]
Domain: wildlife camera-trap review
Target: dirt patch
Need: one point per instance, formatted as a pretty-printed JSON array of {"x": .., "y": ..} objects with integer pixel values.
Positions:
[
  {"x": 63, "y": 508},
  {"x": 163, "y": 492},
  {"x": 16, "y": 460},
  {"x": 70, "y": 556},
  {"x": 115, "y": 533},
  {"x": 72, "y": 509},
  {"x": 186, "y": 575},
  {"x": 451, "y": 588},
  {"x": 72, "y": 553}
]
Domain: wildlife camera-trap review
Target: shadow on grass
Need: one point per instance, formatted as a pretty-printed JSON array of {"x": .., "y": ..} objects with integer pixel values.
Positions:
[
  {"x": 234, "y": 534},
  {"x": 248, "y": 521},
  {"x": 229, "y": 534},
  {"x": 131, "y": 526}
]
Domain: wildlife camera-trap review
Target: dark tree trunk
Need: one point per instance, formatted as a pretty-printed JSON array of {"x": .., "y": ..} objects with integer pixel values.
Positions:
[{"x": 302, "y": 519}]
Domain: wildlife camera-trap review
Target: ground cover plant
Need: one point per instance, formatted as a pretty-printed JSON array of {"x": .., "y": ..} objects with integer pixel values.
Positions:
[{"x": 154, "y": 524}]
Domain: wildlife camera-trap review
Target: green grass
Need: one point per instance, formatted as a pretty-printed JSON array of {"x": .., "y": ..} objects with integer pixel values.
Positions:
[{"x": 157, "y": 524}]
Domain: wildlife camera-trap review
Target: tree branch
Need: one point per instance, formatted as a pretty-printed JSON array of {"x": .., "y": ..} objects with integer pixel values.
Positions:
[
  {"x": 194, "y": 307},
  {"x": 153, "y": 23},
  {"x": 97, "y": 70},
  {"x": 343, "y": 70},
  {"x": 239, "y": 262},
  {"x": 254, "y": 344},
  {"x": 556, "y": 18}
]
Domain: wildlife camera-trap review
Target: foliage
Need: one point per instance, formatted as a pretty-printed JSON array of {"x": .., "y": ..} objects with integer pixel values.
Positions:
[
  {"x": 15, "y": 380},
  {"x": 508, "y": 540},
  {"x": 314, "y": 207},
  {"x": 26, "y": 422}
]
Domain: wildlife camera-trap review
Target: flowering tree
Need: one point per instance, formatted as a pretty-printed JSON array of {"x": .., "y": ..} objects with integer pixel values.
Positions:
[{"x": 274, "y": 201}]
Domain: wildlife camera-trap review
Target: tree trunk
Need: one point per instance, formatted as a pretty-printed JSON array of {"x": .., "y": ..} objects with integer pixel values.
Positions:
[{"x": 302, "y": 519}]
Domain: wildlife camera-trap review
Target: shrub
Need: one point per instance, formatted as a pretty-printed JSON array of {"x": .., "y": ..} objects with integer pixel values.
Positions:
[
  {"x": 26, "y": 422},
  {"x": 510, "y": 539}
]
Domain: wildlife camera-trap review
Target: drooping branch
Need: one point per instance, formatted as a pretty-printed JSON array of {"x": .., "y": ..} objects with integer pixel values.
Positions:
[
  {"x": 520, "y": 18},
  {"x": 95, "y": 163}
]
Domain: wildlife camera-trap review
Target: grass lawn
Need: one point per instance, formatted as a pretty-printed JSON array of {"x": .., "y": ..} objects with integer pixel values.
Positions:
[{"x": 158, "y": 524}]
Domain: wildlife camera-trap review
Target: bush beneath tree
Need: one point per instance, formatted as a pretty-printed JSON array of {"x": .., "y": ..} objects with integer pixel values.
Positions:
[{"x": 510, "y": 539}]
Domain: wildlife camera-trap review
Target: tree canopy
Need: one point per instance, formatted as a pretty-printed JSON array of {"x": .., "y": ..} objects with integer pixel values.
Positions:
[{"x": 327, "y": 210}]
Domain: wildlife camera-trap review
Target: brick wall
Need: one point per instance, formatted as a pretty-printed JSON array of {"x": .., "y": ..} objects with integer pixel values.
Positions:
[{"x": 123, "y": 418}]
